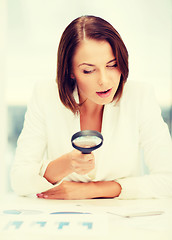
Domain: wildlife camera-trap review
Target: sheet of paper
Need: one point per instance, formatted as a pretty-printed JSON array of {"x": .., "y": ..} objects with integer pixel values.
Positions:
[{"x": 54, "y": 223}]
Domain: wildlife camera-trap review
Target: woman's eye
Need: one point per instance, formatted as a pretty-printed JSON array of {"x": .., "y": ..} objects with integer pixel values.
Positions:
[
  {"x": 112, "y": 66},
  {"x": 87, "y": 71}
]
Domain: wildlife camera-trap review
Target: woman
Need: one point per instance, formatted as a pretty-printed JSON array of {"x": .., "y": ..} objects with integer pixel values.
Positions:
[{"x": 92, "y": 93}]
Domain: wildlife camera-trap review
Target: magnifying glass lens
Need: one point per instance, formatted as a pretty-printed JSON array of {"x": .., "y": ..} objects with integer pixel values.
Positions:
[{"x": 87, "y": 141}]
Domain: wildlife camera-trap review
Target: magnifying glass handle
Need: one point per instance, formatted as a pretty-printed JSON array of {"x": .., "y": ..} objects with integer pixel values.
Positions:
[{"x": 86, "y": 151}]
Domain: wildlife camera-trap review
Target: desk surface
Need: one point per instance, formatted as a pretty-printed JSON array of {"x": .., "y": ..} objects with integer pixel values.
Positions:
[{"x": 110, "y": 211}]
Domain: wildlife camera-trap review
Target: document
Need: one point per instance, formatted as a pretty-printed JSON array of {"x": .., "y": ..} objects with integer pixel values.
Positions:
[{"x": 63, "y": 221}]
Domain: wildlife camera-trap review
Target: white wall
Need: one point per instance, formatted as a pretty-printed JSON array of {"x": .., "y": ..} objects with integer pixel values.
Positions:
[{"x": 3, "y": 136}]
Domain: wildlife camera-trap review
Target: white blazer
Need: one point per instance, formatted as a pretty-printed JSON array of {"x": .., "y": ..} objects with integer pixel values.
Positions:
[{"x": 132, "y": 124}]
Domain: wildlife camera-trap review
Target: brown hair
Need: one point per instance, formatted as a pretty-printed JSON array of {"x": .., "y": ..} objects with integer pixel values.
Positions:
[{"x": 90, "y": 27}]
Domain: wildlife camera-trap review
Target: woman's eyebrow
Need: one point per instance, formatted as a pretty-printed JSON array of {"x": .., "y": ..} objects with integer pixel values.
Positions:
[
  {"x": 88, "y": 64},
  {"x": 92, "y": 65},
  {"x": 113, "y": 60}
]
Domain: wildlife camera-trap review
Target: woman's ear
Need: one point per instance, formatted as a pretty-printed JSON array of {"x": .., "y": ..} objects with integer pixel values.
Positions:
[{"x": 72, "y": 76}]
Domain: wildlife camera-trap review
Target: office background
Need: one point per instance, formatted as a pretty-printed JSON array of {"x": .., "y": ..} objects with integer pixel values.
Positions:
[{"x": 30, "y": 33}]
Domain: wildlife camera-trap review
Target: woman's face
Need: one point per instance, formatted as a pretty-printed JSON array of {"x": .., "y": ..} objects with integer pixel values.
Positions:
[{"x": 96, "y": 72}]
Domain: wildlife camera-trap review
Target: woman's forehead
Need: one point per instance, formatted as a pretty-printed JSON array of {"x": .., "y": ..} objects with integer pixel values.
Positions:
[{"x": 92, "y": 51}]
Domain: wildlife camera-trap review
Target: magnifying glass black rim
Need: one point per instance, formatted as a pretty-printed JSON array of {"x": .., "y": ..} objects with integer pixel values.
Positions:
[{"x": 87, "y": 133}]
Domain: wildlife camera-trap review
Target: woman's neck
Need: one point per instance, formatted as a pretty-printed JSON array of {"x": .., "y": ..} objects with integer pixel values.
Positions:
[{"x": 91, "y": 117}]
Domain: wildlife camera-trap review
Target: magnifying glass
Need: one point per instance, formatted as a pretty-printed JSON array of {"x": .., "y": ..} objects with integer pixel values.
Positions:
[{"x": 86, "y": 141}]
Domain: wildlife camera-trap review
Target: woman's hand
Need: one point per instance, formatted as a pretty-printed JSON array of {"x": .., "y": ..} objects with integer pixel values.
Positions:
[
  {"x": 73, "y": 161},
  {"x": 67, "y": 190},
  {"x": 79, "y": 190},
  {"x": 81, "y": 163}
]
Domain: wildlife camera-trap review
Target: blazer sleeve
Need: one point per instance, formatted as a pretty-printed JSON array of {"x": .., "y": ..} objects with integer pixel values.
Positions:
[
  {"x": 26, "y": 177},
  {"x": 156, "y": 142}
]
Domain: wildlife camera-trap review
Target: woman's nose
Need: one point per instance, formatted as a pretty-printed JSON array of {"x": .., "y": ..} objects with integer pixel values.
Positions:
[{"x": 103, "y": 78}]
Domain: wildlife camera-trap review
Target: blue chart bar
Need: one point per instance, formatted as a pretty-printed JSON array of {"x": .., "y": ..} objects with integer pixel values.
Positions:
[
  {"x": 69, "y": 213},
  {"x": 23, "y": 212},
  {"x": 89, "y": 225},
  {"x": 40, "y": 224},
  {"x": 13, "y": 225},
  {"x": 62, "y": 224},
  {"x": 15, "y": 212}
]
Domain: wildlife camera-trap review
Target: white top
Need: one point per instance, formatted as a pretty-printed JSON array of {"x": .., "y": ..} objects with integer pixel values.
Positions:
[{"x": 132, "y": 124}]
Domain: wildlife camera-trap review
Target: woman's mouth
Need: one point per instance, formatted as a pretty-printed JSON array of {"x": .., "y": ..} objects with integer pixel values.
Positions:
[{"x": 104, "y": 94}]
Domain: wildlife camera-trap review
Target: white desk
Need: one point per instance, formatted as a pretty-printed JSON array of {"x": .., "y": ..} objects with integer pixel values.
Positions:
[{"x": 157, "y": 227}]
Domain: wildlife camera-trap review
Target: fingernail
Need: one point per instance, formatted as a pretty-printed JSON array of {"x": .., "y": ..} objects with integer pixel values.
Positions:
[{"x": 39, "y": 195}]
